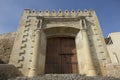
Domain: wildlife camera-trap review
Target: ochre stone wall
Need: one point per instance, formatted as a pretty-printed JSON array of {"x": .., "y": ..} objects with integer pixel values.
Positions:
[
  {"x": 6, "y": 44},
  {"x": 113, "y": 70},
  {"x": 36, "y": 26}
]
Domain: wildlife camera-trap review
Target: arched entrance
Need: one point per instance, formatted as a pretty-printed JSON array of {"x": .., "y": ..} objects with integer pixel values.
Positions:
[{"x": 61, "y": 56}]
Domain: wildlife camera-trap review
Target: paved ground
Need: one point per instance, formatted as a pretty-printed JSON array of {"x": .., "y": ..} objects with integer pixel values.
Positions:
[{"x": 65, "y": 77}]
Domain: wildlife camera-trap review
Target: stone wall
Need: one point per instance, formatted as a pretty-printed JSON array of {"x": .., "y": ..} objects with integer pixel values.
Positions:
[
  {"x": 7, "y": 71},
  {"x": 65, "y": 77},
  {"x": 6, "y": 44},
  {"x": 113, "y": 70}
]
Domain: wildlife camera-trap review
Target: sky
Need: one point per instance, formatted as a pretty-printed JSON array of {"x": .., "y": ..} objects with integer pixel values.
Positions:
[{"x": 108, "y": 11}]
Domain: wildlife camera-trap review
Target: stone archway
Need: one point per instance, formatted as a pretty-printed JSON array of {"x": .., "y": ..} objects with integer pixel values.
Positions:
[
  {"x": 62, "y": 34},
  {"x": 36, "y": 27},
  {"x": 85, "y": 65}
]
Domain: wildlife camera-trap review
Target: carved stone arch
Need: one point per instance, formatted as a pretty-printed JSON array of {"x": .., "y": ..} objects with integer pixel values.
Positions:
[{"x": 61, "y": 31}]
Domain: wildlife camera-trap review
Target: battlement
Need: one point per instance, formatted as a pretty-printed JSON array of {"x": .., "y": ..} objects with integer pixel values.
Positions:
[{"x": 60, "y": 13}]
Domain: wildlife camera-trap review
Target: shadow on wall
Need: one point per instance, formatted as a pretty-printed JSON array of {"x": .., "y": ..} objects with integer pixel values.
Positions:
[
  {"x": 94, "y": 55},
  {"x": 8, "y": 71},
  {"x": 2, "y": 62}
]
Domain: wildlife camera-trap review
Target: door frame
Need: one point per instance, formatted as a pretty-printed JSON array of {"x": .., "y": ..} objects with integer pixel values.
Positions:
[
  {"x": 51, "y": 32},
  {"x": 59, "y": 40}
]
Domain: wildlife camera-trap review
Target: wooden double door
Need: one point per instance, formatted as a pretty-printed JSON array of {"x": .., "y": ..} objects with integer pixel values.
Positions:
[{"x": 61, "y": 57}]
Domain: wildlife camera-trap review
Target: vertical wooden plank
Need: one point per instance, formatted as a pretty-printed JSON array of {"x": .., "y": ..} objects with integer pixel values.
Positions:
[
  {"x": 52, "y": 58},
  {"x": 61, "y": 56},
  {"x": 69, "y": 56}
]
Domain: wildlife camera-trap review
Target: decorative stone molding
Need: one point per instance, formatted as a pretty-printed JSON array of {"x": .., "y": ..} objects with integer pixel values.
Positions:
[
  {"x": 59, "y": 13},
  {"x": 37, "y": 26}
]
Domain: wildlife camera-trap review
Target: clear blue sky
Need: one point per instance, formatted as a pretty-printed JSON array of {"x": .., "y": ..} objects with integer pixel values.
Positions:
[{"x": 108, "y": 11}]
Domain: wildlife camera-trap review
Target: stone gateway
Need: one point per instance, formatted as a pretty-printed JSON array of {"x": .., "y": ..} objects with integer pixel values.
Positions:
[{"x": 59, "y": 43}]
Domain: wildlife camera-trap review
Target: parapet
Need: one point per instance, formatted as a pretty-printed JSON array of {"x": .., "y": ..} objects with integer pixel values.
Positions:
[{"x": 59, "y": 13}]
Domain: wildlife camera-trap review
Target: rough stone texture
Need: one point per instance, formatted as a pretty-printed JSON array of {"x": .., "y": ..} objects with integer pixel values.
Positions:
[
  {"x": 7, "y": 70},
  {"x": 113, "y": 70},
  {"x": 6, "y": 44},
  {"x": 65, "y": 77},
  {"x": 59, "y": 24}
]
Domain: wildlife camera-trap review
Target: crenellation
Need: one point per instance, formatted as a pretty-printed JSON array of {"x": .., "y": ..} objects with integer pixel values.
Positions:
[
  {"x": 65, "y": 13},
  {"x": 33, "y": 11},
  {"x": 92, "y": 12},
  {"x": 46, "y": 13},
  {"x": 53, "y": 11},
  {"x": 85, "y": 11},
  {"x": 79, "y": 11},
  {"x": 40, "y": 13},
  {"x": 60, "y": 13},
  {"x": 73, "y": 11},
  {"x": 26, "y": 11},
  {"x": 38, "y": 26}
]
